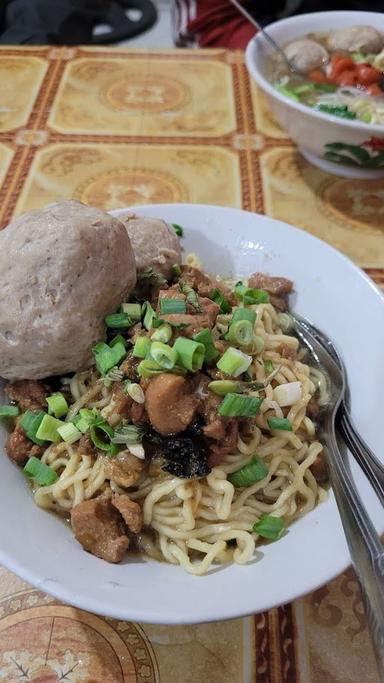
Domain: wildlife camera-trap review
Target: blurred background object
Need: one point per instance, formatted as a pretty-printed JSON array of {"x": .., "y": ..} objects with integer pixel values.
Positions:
[
  {"x": 74, "y": 22},
  {"x": 217, "y": 23}
]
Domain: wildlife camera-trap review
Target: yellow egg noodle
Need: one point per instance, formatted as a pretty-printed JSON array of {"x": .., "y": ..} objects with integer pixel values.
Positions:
[{"x": 199, "y": 522}]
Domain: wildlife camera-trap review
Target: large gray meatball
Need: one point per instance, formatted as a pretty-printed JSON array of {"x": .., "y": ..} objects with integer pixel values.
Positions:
[
  {"x": 306, "y": 55},
  {"x": 363, "y": 39},
  {"x": 154, "y": 242},
  {"x": 62, "y": 269}
]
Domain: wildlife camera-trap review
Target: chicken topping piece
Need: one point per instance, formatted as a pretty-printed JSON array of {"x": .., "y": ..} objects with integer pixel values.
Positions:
[
  {"x": 130, "y": 512},
  {"x": 124, "y": 469},
  {"x": 319, "y": 469},
  {"x": 99, "y": 527},
  {"x": 29, "y": 394},
  {"x": 19, "y": 448},
  {"x": 170, "y": 404},
  {"x": 277, "y": 287}
]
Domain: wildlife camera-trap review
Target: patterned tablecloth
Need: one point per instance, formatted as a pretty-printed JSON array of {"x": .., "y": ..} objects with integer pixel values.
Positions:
[{"x": 112, "y": 128}]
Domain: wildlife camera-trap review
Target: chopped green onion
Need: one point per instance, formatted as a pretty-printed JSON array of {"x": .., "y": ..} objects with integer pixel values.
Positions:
[
  {"x": 133, "y": 311},
  {"x": 152, "y": 277},
  {"x": 191, "y": 296},
  {"x": 234, "y": 362},
  {"x": 85, "y": 418},
  {"x": 250, "y": 296},
  {"x": 268, "y": 367},
  {"x": 157, "y": 322},
  {"x": 269, "y": 527},
  {"x": 48, "y": 429},
  {"x": 358, "y": 57},
  {"x": 141, "y": 348},
  {"x": 69, "y": 432},
  {"x": 164, "y": 355},
  {"x": 9, "y": 411},
  {"x": 258, "y": 344},
  {"x": 218, "y": 297},
  {"x": 340, "y": 110},
  {"x": 118, "y": 340},
  {"x": 240, "y": 333},
  {"x": 366, "y": 116},
  {"x": 107, "y": 357},
  {"x": 325, "y": 87},
  {"x": 41, "y": 473},
  {"x": 162, "y": 333},
  {"x": 279, "y": 423},
  {"x": 101, "y": 434},
  {"x": 205, "y": 337},
  {"x": 255, "y": 470},
  {"x": 57, "y": 404},
  {"x": 244, "y": 314},
  {"x": 191, "y": 353},
  {"x": 88, "y": 414},
  {"x": 31, "y": 422},
  {"x": 170, "y": 306},
  {"x": 239, "y": 405},
  {"x": 118, "y": 320},
  {"x": 178, "y": 229},
  {"x": 285, "y": 321},
  {"x": 80, "y": 424},
  {"x": 176, "y": 270},
  {"x": 136, "y": 393},
  {"x": 303, "y": 89},
  {"x": 99, "y": 347},
  {"x": 287, "y": 92},
  {"x": 113, "y": 375},
  {"x": 149, "y": 368},
  {"x": 127, "y": 434},
  {"x": 149, "y": 315},
  {"x": 221, "y": 387}
]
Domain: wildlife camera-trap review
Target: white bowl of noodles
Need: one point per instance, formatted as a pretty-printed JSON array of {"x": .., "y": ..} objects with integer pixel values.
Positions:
[
  {"x": 331, "y": 291},
  {"x": 349, "y": 148}
]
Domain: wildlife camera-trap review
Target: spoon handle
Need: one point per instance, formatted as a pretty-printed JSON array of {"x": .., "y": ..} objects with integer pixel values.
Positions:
[
  {"x": 364, "y": 545},
  {"x": 265, "y": 33},
  {"x": 371, "y": 466}
]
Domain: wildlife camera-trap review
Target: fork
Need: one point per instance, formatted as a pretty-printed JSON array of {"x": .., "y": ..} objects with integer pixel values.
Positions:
[
  {"x": 369, "y": 463},
  {"x": 363, "y": 541}
]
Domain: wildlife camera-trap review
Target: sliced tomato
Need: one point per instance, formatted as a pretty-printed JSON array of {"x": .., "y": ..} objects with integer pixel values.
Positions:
[
  {"x": 367, "y": 74},
  {"x": 375, "y": 90},
  {"x": 318, "y": 76},
  {"x": 338, "y": 64}
]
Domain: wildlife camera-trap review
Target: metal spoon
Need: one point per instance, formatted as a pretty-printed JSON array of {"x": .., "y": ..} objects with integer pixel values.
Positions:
[
  {"x": 365, "y": 548},
  {"x": 266, "y": 35},
  {"x": 369, "y": 463}
]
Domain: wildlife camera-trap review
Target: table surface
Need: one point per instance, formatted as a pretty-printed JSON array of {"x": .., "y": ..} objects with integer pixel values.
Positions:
[{"x": 113, "y": 128}]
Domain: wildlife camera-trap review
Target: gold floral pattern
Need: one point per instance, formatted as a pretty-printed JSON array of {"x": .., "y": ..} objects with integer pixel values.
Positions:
[
  {"x": 21, "y": 78},
  {"x": 151, "y": 97},
  {"x": 48, "y": 643}
]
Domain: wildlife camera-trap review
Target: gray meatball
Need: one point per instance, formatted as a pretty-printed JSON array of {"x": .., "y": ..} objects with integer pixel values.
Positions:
[
  {"x": 154, "y": 242},
  {"x": 62, "y": 269},
  {"x": 306, "y": 55},
  {"x": 363, "y": 39}
]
